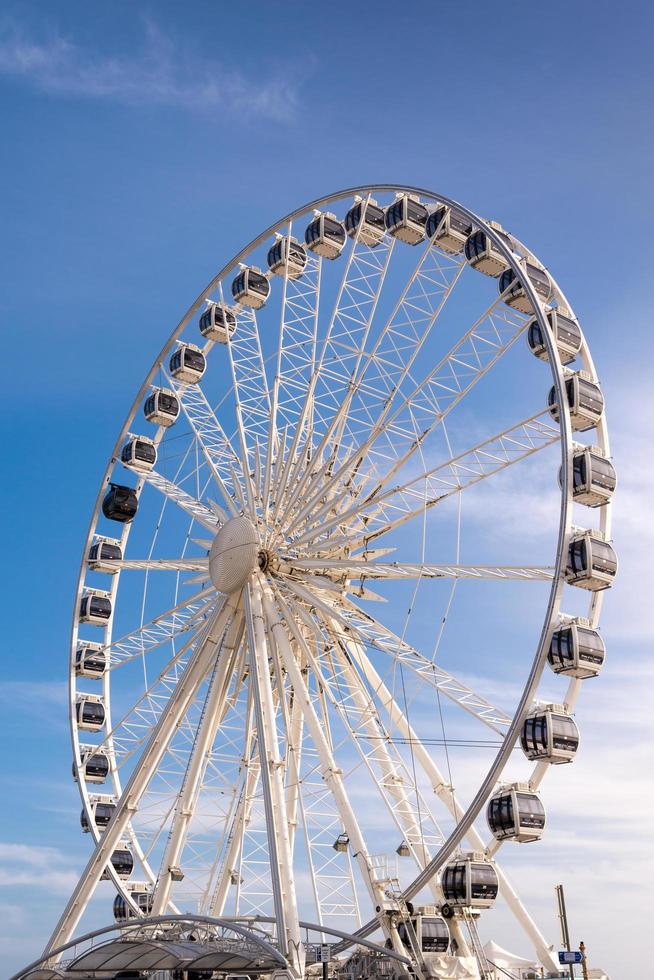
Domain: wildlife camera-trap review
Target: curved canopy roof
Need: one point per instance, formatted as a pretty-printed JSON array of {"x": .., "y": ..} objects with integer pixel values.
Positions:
[{"x": 164, "y": 954}]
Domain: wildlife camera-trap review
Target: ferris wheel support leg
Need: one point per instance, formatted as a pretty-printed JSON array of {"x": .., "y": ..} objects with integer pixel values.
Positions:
[
  {"x": 186, "y": 803},
  {"x": 446, "y": 795},
  {"x": 331, "y": 772},
  {"x": 169, "y": 720},
  {"x": 281, "y": 862}
]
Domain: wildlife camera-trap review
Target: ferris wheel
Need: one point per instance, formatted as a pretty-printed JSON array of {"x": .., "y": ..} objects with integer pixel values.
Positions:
[{"x": 342, "y": 583}]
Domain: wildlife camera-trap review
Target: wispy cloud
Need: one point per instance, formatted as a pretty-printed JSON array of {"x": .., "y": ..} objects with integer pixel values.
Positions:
[
  {"x": 45, "y": 868},
  {"x": 162, "y": 73}
]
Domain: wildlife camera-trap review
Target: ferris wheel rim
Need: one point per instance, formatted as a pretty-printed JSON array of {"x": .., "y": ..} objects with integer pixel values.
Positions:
[{"x": 564, "y": 524}]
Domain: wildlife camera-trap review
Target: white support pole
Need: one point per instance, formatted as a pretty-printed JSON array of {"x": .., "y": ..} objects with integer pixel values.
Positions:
[
  {"x": 214, "y": 710},
  {"x": 281, "y": 861},
  {"x": 171, "y": 716},
  {"x": 330, "y": 770}
]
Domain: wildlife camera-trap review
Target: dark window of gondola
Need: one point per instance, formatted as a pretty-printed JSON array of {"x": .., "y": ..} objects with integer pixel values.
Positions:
[
  {"x": 483, "y": 882},
  {"x": 603, "y": 558},
  {"x": 590, "y": 397}
]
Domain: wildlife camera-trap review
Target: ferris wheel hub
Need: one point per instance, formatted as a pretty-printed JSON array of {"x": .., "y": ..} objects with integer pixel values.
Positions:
[{"x": 234, "y": 554}]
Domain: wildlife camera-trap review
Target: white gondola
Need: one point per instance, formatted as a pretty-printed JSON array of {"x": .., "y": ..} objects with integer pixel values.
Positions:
[
  {"x": 90, "y": 659},
  {"x": 95, "y": 607},
  {"x": 483, "y": 254},
  {"x": 101, "y": 809},
  {"x": 187, "y": 364},
  {"x": 161, "y": 407},
  {"x": 89, "y": 712},
  {"x": 139, "y": 453},
  {"x": 406, "y": 218},
  {"x": 449, "y": 229},
  {"x": 365, "y": 220},
  {"x": 217, "y": 323},
  {"x": 141, "y": 894},
  {"x": 120, "y": 503},
  {"x": 566, "y": 334},
  {"x": 576, "y": 650},
  {"x": 516, "y": 296},
  {"x": 549, "y": 734},
  {"x": 325, "y": 235},
  {"x": 103, "y": 551},
  {"x": 287, "y": 257},
  {"x": 593, "y": 477},
  {"x": 592, "y": 562},
  {"x": 250, "y": 287},
  {"x": 431, "y": 931},
  {"x": 469, "y": 881},
  {"x": 93, "y": 765},
  {"x": 585, "y": 401},
  {"x": 122, "y": 860},
  {"x": 515, "y": 812}
]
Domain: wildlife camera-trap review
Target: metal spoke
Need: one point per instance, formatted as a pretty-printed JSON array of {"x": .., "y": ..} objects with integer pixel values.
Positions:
[
  {"x": 186, "y": 615},
  {"x": 388, "y": 510},
  {"x": 344, "y": 568},
  {"x": 214, "y": 443},
  {"x": 371, "y": 633},
  {"x": 195, "y": 508},
  {"x": 158, "y": 564}
]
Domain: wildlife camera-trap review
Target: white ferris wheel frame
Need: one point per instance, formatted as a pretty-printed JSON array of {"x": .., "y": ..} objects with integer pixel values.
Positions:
[{"x": 258, "y": 603}]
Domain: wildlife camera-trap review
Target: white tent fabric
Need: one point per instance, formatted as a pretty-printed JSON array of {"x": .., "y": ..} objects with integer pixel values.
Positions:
[
  {"x": 508, "y": 961},
  {"x": 451, "y": 967}
]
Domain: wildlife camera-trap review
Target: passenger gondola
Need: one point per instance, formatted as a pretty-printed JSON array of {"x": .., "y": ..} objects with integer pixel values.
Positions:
[
  {"x": 566, "y": 334},
  {"x": 341, "y": 843},
  {"x": 365, "y": 221},
  {"x": 516, "y": 813},
  {"x": 287, "y": 257},
  {"x": 89, "y": 712},
  {"x": 90, "y": 659},
  {"x": 187, "y": 363},
  {"x": 469, "y": 881},
  {"x": 325, "y": 235},
  {"x": 140, "y": 895},
  {"x": 217, "y": 323},
  {"x": 122, "y": 860},
  {"x": 120, "y": 503},
  {"x": 250, "y": 287},
  {"x": 102, "y": 809},
  {"x": 516, "y": 297},
  {"x": 406, "y": 218},
  {"x": 140, "y": 453},
  {"x": 576, "y": 650},
  {"x": 102, "y": 553},
  {"x": 585, "y": 401},
  {"x": 592, "y": 562},
  {"x": 93, "y": 765},
  {"x": 484, "y": 255},
  {"x": 161, "y": 407},
  {"x": 95, "y": 607},
  {"x": 593, "y": 477},
  {"x": 449, "y": 229},
  {"x": 549, "y": 734},
  {"x": 431, "y": 931}
]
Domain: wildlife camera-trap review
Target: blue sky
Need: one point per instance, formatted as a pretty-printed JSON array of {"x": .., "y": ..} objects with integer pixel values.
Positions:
[{"x": 142, "y": 146}]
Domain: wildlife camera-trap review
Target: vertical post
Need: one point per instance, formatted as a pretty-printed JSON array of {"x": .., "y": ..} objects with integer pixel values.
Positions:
[
  {"x": 565, "y": 935},
  {"x": 325, "y": 970},
  {"x": 584, "y": 962}
]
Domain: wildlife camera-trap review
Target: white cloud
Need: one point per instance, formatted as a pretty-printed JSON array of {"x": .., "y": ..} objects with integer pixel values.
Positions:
[
  {"x": 45, "y": 868},
  {"x": 162, "y": 73}
]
